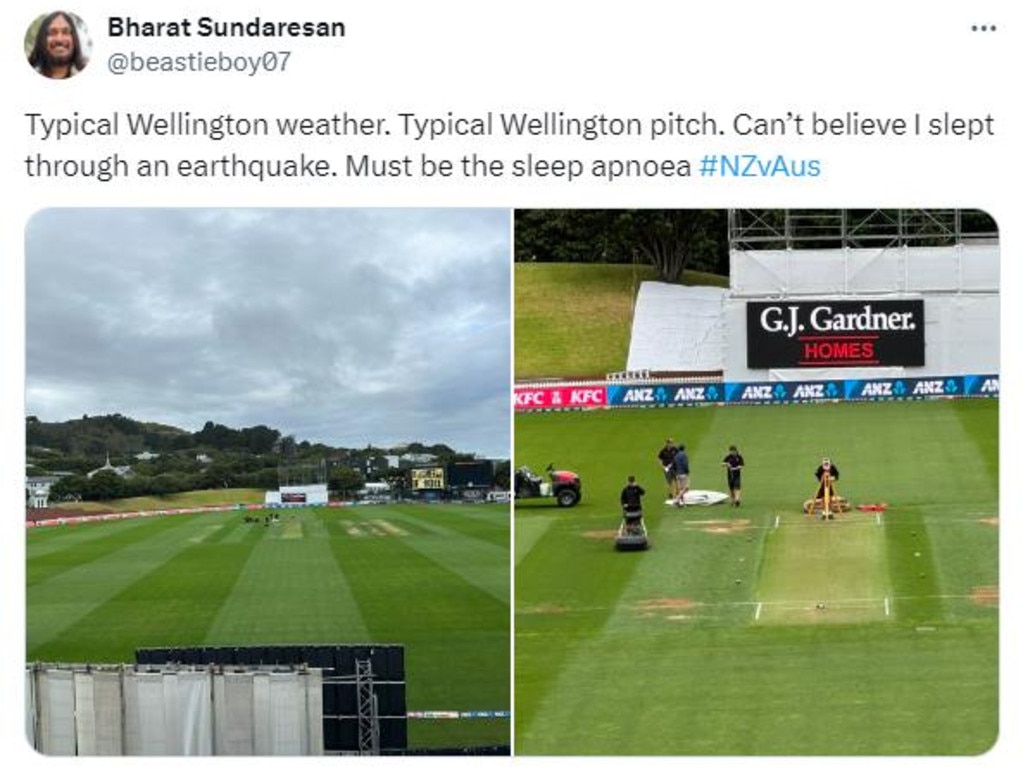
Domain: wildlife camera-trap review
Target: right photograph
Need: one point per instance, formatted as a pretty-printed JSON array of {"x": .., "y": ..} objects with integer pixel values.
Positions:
[{"x": 756, "y": 482}]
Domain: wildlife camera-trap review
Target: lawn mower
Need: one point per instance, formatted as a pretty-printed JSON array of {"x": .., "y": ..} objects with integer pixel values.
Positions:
[{"x": 632, "y": 532}]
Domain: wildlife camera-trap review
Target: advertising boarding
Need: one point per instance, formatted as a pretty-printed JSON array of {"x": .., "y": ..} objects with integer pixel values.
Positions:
[{"x": 834, "y": 334}]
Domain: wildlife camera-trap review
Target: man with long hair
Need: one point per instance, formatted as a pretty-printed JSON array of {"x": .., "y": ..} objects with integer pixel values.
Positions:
[{"x": 57, "y": 52}]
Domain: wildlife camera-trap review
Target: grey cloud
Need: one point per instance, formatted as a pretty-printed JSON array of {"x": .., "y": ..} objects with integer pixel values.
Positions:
[{"x": 342, "y": 326}]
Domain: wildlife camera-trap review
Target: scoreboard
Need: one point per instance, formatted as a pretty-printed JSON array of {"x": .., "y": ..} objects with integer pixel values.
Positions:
[{"x": 428, "y": 479}]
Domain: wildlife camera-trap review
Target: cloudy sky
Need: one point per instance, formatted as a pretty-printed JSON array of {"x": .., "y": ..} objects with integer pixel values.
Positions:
[{"x": 346, "y": 327}]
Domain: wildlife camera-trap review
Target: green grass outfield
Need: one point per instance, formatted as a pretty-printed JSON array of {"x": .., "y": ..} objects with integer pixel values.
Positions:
[
  {"x": 434, "y": 578},
  {"x": 208, "y": 498},
  {"x": 712, "y": 642}
]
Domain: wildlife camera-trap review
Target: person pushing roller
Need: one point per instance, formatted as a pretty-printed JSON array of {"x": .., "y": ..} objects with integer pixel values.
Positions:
[
  {"x": 826, "y": 500},
  {"x": 632, "y": 530}
]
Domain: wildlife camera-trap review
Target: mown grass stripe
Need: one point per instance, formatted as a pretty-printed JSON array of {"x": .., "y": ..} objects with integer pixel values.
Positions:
[
  {"x": 911, "y": 566},
  {"x": 482, "y": 516},
  {"x": 296, "y": 576},
  {"x": 492, "y": 526},
  {"x": 170, "y": 602},
  {"x": 44, "y": 541},
  {"x": 456, "y": 634},
  {"x": 574, "y": 565},
  {"x": 979, "y": 421},
  {"x": 56, "y": 550},
  {"x": 697, "y": 685},
  {"x": 236, "y": 534},
  {"x": 475, "y": 561},
  {"x": 63, "y": 598},
  {"x": 529, "y": 529}
]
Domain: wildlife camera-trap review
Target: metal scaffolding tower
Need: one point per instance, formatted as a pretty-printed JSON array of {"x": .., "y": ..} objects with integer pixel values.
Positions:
[
  {"x": 773, "y": 229},
  {"x": 369, "y": 723}
]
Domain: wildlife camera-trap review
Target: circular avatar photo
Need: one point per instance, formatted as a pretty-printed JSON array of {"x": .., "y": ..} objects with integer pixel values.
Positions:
[{"x": 58, "y": 45}]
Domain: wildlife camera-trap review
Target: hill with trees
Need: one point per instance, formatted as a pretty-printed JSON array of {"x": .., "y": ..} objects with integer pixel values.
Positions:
[{"x": 99, "y": 458}]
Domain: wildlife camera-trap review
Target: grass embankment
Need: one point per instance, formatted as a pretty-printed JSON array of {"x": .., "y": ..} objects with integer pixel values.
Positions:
[
  {"x": 575, "y": 320},
  {"x": 210, "y": 498}
]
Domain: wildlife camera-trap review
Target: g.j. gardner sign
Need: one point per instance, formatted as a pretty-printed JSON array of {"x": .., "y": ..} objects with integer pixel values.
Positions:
[{"x": 829, "y": 334}]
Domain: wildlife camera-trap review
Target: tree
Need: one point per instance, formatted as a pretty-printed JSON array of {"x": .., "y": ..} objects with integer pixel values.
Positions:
[
  {"x": 220, "y": 474},
  {"x": 265, "y": 479},
  {"x": 260, "y": 439},
  {"x": 568, "y": 235},
  {"x": 104, "y": 486},
  {"x": 287, "y": 447},
  {"x": 345, "y": 480},
  {"x": 169, "y": 483},
  {"x": 70, "y": 488},
  {"x": 670, "y": 240},
  {"x": 138, "y": 485},
  {"x": 215, "y": 436}
]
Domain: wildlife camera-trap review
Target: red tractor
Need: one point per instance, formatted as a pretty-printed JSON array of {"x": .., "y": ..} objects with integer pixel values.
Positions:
[{"x": 562, "y": 485}]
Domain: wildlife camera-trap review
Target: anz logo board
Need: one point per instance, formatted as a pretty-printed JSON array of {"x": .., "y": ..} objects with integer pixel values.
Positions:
[{"x": 757, "y": 393}]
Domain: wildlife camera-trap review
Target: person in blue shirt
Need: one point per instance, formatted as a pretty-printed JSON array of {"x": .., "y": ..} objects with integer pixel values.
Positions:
[{"x": 681, "y": 462}]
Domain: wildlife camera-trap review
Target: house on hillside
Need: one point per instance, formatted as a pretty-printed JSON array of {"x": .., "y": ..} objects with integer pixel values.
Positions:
[
  {"x": 417, "y": 459},
  {"x": 120, "y": 471},
  {"x": 37, "y": 490}
]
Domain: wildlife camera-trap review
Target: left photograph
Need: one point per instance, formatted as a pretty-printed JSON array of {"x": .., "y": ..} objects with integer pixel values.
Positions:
[{"x": 267, "y": 481}]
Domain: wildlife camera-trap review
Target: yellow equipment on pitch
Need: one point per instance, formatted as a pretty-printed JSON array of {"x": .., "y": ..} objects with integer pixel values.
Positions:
[{"x": 826, "y": 502}]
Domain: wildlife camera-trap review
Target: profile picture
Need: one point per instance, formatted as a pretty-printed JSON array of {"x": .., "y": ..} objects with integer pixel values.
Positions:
[{"x": 58, "y": 45}]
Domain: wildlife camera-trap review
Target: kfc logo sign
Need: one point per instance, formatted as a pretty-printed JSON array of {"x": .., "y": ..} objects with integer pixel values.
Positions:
[{"x": 559, "y": 397}]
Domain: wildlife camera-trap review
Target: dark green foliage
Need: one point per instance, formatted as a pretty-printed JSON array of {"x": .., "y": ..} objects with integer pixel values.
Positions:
[
  {"x": 232, "y": 458},
  {"x": 259, "y": 439},
  {"x": 345, "y": 480},
  {"x": 669, "y": 240}
]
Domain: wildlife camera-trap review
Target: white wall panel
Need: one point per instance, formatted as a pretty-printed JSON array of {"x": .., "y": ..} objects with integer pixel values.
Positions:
[{"x": 173, "y": 711}]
